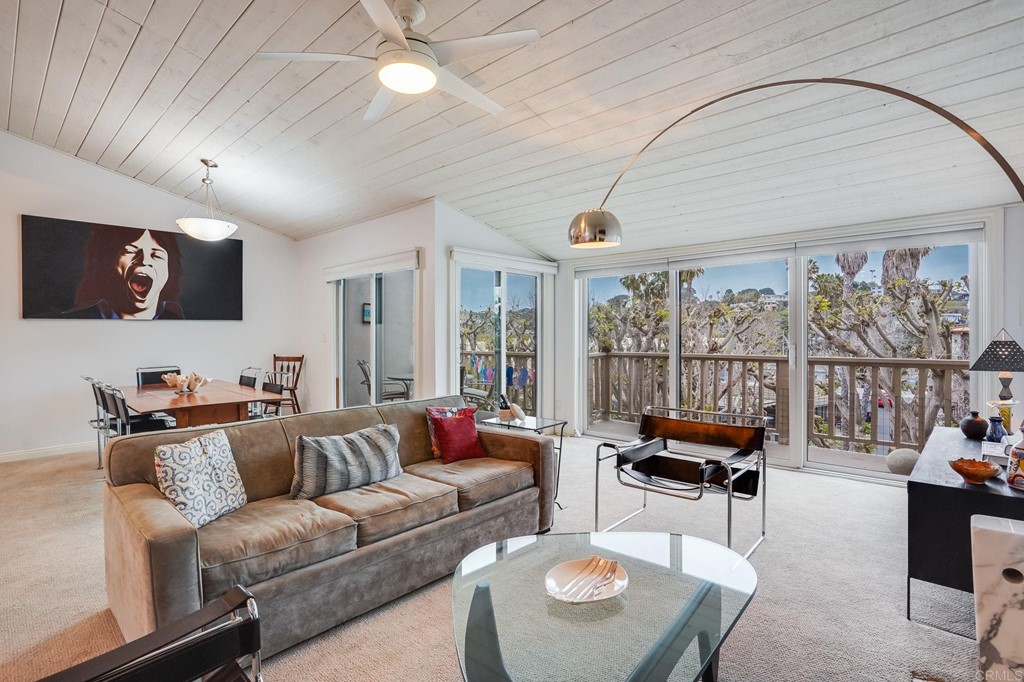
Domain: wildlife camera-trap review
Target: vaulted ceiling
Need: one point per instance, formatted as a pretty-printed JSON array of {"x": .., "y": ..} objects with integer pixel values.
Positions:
[{"x": 147, "y": 88}]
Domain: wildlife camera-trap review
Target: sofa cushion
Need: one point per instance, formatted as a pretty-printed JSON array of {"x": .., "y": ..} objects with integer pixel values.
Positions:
[
  {"x": 268, "y": 538},
  {"x": 478, "y": 481},
  {"x": 327, "y": 464},
  {"x": 200, "y": 478},
  {"x": 393, "y": 506}
]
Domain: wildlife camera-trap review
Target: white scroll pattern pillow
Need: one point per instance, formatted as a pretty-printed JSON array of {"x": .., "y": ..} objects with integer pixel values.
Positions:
[{"x": 200, "y": 477}]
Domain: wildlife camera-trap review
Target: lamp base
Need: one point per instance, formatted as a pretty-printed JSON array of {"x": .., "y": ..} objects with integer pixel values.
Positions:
[{"x": 1005, "y": 408}]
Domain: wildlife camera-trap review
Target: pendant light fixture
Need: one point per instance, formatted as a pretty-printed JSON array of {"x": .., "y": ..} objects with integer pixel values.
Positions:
[
  {"x": 598, "y": 227},
  {"x": 207, "y": 228}
]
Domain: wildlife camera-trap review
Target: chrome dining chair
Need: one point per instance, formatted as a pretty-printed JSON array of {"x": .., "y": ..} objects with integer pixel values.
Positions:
[
  {"x": 124, "y": 422},
  {"x": 151, "y": 375},
  {"x": 101, "y": 424},
  {"x": 273, "y": 382}
]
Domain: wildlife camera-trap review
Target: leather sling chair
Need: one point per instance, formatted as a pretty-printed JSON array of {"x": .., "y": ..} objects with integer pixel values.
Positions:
[{"x": 648, "y": 464}]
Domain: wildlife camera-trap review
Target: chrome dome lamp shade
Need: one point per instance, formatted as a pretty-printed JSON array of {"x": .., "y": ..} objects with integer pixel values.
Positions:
[
  {"x": 598, "y": 228},
  {"x": 595, "y": 228}
]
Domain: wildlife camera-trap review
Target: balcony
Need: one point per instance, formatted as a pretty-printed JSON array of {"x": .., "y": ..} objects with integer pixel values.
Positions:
[
  {"x": 523, "y": 393},
  {"x": 846, "y": 427}
]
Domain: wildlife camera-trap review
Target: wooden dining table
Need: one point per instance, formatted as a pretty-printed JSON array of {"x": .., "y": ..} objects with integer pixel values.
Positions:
[{"x": 218, "y": 402}]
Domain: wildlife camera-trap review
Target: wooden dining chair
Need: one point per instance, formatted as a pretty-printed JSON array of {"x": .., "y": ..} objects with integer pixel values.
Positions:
[{"x": 290, "y": 365}]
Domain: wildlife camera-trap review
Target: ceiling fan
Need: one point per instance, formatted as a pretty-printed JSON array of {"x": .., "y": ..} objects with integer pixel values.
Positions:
[{"x": 409, "y": 63}]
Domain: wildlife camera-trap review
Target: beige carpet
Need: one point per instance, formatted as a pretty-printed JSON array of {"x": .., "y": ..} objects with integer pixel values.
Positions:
[{"x": 829, "y": 606}]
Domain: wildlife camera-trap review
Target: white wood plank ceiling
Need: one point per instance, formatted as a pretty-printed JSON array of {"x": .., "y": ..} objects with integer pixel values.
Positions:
[{"x": 147, "y": 88}]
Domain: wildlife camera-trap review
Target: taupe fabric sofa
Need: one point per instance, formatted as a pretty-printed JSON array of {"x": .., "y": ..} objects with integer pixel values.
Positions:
[{"x": 313, "y": 564}]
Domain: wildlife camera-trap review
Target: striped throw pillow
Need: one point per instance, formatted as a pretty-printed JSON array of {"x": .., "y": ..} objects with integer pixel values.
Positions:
[{"x": 328, "y": 464}]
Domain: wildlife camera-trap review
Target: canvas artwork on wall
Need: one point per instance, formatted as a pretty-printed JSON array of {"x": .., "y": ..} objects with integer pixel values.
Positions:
[{"x": 77, "y": 270}]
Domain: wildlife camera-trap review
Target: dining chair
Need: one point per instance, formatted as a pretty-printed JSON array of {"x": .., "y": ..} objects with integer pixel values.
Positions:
[
  {"x": 249, "y": 381},
  {"x": 272, "y": 383},
  {"x": 290, "y": 365},
  {"x": 390, "y": 390},
  {"x": 101, "y": 424},
  {"x": 124, "y": 422},
  {"x": 151, "y": 375}
]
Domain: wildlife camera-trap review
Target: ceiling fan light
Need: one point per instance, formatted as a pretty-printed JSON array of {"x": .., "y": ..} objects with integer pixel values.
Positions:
[
  {"x": 595, "y": 228},
  {"x": 407, "y": 72},
  {"x": 206, "y": 229}
]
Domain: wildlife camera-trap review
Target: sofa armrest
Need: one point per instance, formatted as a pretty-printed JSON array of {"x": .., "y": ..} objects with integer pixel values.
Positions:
[
  {"x": 539, "y": 451},
  {"x": 151, "y": 553}
]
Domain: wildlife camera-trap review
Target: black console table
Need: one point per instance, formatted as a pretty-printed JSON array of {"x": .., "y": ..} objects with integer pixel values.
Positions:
[{"x": 939, "y": 510}]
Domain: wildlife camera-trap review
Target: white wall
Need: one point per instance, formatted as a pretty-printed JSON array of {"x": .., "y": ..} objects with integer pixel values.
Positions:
[
  {"x": 45, "y": 403},
  {"x": 432, "y": 227},
  {"x": 390, "y": 234},
  {"x": 456, "y": 229}
]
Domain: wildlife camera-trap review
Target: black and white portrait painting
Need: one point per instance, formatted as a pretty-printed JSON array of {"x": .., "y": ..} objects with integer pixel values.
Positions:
[{"x": 77, "y": 270}]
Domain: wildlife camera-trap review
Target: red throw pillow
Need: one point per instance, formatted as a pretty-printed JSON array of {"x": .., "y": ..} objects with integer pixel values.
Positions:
[{"x": 456, "y": 436}]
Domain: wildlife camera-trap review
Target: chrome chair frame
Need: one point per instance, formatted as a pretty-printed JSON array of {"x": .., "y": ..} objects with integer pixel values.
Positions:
[
  {"x": 101, "y": 424},
  {"x": 692, "y": 492}
]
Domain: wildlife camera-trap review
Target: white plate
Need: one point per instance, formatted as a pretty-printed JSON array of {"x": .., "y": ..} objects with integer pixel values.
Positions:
[{"x": 565, "y": 573}]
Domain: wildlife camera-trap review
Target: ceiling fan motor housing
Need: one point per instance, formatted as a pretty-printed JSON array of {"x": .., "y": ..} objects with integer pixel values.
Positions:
[{"x": 411, "y": 11}]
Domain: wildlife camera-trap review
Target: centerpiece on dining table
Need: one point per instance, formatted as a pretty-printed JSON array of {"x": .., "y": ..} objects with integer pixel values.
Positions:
[{"x": 185, "y": 383}]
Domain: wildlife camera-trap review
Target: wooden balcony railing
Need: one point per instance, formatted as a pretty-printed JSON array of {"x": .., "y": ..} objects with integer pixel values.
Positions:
[
  {"x": 524, "y": 396},
  {"x": 621, "y": 384}
]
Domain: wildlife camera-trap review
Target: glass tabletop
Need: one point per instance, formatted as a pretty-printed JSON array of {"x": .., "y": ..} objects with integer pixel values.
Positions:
[
  {"x": 529, "y": 423},
  {"x": 684, "y": 596}
]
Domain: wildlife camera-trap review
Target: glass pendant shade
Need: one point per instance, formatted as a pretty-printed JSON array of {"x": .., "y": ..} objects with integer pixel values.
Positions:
[
  {"x": 595, "y": 228},
  {"x": 206, "y": 229}
]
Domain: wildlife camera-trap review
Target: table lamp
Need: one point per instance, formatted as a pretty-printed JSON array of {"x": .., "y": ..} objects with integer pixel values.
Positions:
[{"x": 1003, "y": 355}]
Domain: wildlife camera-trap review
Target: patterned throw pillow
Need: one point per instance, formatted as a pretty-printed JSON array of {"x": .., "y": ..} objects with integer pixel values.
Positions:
[
  {"x": 444, "y": 413},
  {"x": 456, "y": 436},
  {"x": 331, "y": 463},
  {"x": 200, "y": 478}
]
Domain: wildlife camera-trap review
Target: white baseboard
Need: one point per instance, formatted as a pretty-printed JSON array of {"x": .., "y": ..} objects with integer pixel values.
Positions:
[{"x": 74, "y": 448}]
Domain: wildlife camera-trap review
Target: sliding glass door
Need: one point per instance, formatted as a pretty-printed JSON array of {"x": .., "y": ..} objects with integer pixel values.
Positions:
[
  {"x": 734, "y": 344},
  {"x": 888, "y": 349},
  {"x": 628, "y": 331},
  {"x": 498, "y": 323},
  {"x": 376, "y": 341}
]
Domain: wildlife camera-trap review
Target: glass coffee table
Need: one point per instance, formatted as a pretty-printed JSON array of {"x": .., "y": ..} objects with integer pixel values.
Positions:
[{"x": 683, "y": 598}]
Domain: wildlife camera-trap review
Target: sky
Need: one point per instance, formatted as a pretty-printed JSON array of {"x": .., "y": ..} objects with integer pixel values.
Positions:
[
  {"x": 945, "y": 262},
  {"x": 478, "y": 290}
]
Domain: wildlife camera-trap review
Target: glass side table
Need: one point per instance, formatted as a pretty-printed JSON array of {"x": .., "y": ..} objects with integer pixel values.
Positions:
[
  {"x": 538, "y": 425},
  {"x": 684, "y": 596}
]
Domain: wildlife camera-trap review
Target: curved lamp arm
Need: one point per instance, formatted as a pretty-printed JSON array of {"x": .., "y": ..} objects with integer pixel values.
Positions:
[{"x": 597, "y": 227}]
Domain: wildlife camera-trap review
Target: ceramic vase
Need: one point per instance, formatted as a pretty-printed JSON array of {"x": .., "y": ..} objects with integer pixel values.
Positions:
[
  {"x": 974, "y": 427},
  {"x": 995, "y": 430}
]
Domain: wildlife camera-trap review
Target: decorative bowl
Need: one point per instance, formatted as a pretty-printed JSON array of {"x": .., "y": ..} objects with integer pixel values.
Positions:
[
  {"x": 974, "y": 471},
  {"x": 582, "y": 581}
]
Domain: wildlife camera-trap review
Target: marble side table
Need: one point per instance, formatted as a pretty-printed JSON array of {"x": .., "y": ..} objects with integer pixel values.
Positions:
[{"x": 998, "y": 555}]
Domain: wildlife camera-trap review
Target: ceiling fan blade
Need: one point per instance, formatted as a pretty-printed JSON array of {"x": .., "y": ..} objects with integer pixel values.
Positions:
[
  {"x": 454, "y": 85},
  {"x": 382, "y": 16},
  {"x": 311, "y": 57},
  {"x": 378, "y": 104},
  {"x": 448, "y": 51}
]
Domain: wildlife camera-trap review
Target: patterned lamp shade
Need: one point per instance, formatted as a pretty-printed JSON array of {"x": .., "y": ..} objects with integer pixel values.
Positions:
[{"x": 1002, "y": 355}]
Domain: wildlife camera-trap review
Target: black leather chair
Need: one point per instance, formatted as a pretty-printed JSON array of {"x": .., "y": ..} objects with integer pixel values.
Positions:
[
  {"x": 271, "y": 386},
  {"x": 207, "y": 644},
  {"x": 101, "y": 423},
  {"x": 124, "y": 422},
  {"x": 648, "y": 464},
  {"x": 151, "y": 375}
]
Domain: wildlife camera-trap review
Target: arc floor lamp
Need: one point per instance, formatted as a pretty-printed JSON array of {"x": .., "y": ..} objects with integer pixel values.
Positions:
[{"x": 599, "y": 228}]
